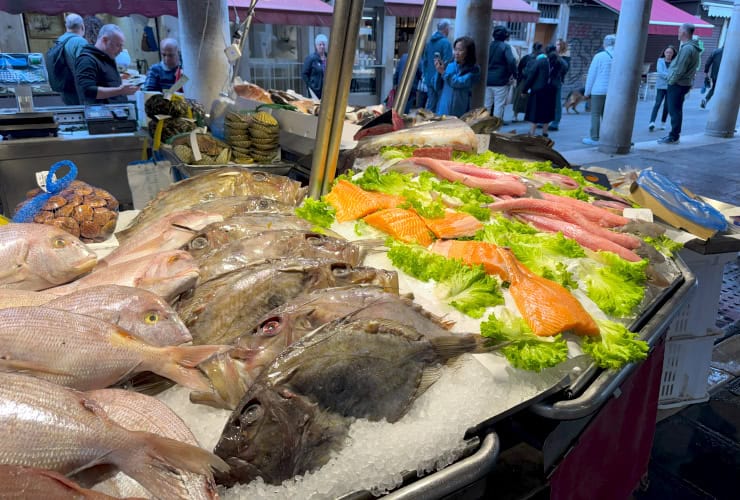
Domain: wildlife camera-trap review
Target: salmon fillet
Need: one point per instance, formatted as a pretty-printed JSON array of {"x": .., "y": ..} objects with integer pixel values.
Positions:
[
  {"x": 473, "y": 253},
  {"x": 453, "y": 225},
  {"x": 403, "y": 225},
  {"x": 352, "y": 202},
  {"x": 547, "y": 307}
]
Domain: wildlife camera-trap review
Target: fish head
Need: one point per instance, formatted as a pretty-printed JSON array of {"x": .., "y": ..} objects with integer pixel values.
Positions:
[
  {"x": 168, "y": 274},
  {"x": 151, "y": 318},
  {"x": 328, "y": 247},
  {"x": 275, "y": 434},
  {"x": 57, "y": 255},
  {"x": 345, "y": 275}
]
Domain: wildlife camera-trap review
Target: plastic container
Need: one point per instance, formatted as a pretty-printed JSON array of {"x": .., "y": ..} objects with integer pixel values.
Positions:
[
  {"x": 699, "y": 315},
  {"x": 686, "y": 370}
]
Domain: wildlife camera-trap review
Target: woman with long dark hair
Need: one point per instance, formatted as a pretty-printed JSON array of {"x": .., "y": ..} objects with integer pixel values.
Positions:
[
  {"x": 546, "y": 70},
  {"x": 455, "y": 79},
  {"x": 661, "y": 87}
]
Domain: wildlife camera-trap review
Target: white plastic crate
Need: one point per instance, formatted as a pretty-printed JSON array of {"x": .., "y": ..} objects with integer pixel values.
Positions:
[
  {"x": 686, "y": 370},
  {"x": 699, "y": 314}
]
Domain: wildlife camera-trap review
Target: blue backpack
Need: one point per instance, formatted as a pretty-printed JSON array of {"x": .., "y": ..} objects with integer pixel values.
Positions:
[{"x": 61, "y": 76}]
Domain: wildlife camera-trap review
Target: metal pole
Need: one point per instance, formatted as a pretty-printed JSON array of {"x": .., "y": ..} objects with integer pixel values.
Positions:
[
  {"x": 421, "y": 33},
  {"x": 624, "y": 78},
  {"x": 723, "y": 109},
  {"x": 340, "y": 37},
  {"x": 243, "y": 39},
  {"x": 345, "y": 79}
]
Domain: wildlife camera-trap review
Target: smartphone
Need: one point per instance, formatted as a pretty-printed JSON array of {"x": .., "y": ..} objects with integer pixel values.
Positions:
[{"x": 437, "y": 55}]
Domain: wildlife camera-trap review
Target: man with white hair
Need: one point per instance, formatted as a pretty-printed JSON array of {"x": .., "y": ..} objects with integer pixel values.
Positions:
[
  {"x": 163, "y": 75},
  {"x": 72, "y": 43},
  {"x": 96, "y": 73},
  {"x": 597, "y": 83},
  {"x": 680, "y": 79}
]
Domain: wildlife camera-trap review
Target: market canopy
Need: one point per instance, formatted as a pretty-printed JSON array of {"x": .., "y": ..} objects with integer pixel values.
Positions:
[
  {"x": 665, "y": 18},
  {"x": 298, "y": 12},
  {"x": 512, "y": 11}
]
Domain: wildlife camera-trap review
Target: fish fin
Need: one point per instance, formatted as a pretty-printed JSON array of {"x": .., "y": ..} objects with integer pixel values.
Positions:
[
  {"x": 157, "y": 463},
  {"x": 147, "y": 383},
  {"x": 210, "y": 399},
  {"x": 90, "y": 476},
  {"x": 428, "y": 377},
  {"x": 371, "y": 245},
  {"x": 451, "y": 346},
  {"x": 181, "y": 363},
  {"x": 21, "y": 365},
  {"x": 192, "y": 356}
]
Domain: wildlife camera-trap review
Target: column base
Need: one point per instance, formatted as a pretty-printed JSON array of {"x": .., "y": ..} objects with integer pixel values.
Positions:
[
  {"x": 726, "y": 134},
  {"x": 612, "y": 149}
]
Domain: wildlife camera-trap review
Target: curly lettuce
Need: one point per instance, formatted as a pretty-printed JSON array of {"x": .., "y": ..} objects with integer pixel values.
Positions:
[
  {"x": 615, "y": 346},
  {"x": 616, "y": 285},
  {"x": 317, "y": 212}
]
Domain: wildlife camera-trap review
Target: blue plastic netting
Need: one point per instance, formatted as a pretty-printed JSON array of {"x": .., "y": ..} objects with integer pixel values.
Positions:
[{"x": 29, "y": 210}]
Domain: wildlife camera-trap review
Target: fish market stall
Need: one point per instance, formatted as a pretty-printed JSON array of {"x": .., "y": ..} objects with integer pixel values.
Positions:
[{"x": 392, "y": 337}]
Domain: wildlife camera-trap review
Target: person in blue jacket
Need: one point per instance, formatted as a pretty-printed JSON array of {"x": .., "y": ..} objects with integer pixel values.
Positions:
[
  {"x": 437, "y": 47},
  {"x": 455, "y": 80},
  {"x": 314, "y": 66}
]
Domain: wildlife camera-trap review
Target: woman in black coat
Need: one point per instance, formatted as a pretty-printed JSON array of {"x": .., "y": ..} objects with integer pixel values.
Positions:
[
  {"x": 546, "y": 70},
  {"x": 525, "y": 63},
  {"x": 315, "y": 65}
]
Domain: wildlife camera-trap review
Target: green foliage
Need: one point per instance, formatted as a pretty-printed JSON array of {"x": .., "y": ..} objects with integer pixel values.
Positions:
[
  {"x": 318, "y": 212},
  {"x": 525, "y": 349},
  {"x": 615, "y": 346},
  {"x": 616, "y": 285}
]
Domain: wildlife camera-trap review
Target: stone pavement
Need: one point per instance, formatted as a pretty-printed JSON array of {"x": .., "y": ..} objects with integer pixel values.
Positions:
[{"x": 708, "y": 166}]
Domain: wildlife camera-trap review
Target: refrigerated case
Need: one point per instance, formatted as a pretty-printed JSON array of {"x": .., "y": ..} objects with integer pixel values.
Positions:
[{"x": 367, "y": 74}]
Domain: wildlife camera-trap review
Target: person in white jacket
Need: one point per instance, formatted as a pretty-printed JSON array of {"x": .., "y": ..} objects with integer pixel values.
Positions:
[{"x": 597, "y": 82}]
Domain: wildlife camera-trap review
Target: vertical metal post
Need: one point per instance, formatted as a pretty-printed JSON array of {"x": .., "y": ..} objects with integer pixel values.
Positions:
[
  {"x": 345, "y": 29},
  {"x": 245, "y": 32},
  {"x": 421, "y": 34},
  {"x": 723, "y": 109},
  {"x": 624, "y": 78}
]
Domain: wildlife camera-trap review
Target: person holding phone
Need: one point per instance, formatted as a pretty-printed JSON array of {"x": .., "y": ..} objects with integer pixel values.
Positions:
[
  {"x": 455, "y": 80},
  {"x": 437, "y": 48},
  {"x": 96, "y": 73}
]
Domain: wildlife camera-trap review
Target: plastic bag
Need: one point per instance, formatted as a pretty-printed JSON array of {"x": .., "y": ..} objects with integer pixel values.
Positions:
[
  {"x": 671, "y": 196},
  {"x": 82, "y": 210}
]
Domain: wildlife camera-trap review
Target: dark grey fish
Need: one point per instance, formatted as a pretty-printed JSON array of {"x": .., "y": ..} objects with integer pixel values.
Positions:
[{"x": 300, "y": 408}]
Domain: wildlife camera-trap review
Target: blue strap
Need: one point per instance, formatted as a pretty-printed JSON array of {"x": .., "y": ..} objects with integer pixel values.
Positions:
[{"x": 33, "y": 206}]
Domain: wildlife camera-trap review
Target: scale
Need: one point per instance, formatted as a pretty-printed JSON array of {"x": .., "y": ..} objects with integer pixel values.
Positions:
[
  {"x": 19, "y": 72},
  {"x": 111, "y": 118}
]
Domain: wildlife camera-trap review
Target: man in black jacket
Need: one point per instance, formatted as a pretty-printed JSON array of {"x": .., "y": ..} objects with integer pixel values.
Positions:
[
  {"x": 501, "y": 69},
  {"x": 96, "y": 73},
  {"x": 711, "y": 69}
]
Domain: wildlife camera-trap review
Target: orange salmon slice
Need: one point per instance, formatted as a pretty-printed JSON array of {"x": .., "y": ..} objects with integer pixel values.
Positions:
[
  {"x": 403, "y": 225},
  {"x": 473, "y": 253},
  {"x": 352, "y": 202},
  {"x": 546, "y": 306},
  {"x": 453, "y": 225}
]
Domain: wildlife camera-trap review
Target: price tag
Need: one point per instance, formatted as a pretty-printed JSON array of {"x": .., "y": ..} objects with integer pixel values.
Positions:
[
  {"x": 177, "y": 86},
  {"x": 41, "y": 179},
  {"x": 638, "y": 214},
  {"x": 194, "y": 146}
]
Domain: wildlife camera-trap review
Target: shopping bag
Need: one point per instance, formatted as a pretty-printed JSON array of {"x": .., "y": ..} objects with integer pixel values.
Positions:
[
  {"x": 147, "y": 178},
  {"x": 510, "y": 94}
]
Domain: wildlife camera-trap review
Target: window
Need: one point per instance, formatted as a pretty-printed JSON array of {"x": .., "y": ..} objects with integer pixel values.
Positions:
[
  {"x": 548, "y": 11},
  {"x": 518, "y": 30}
]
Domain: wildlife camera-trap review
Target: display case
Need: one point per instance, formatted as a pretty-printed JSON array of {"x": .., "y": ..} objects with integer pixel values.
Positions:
[{"x": 367, "y": 73}]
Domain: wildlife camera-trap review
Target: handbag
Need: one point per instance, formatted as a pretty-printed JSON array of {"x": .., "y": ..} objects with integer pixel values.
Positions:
[{"x": 510, "y": 94}]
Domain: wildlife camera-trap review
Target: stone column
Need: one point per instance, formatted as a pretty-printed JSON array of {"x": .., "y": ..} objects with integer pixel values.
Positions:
[
  {"x": 204, "y": 32},
  {"x": 624, "y": 78},
  {"x": 473, "y": 18},
  {"x": 723, "y": 109}
]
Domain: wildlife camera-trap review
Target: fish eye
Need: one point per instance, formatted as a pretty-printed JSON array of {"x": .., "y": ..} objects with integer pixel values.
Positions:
[
  {"x": 199, "y": 243},
  {"x": 340, "y": 271},
  {"x": 151, "y": 318},
  {"x": 59, "y": 242},
  {"x": 313, "y": 239},
  {"x": 264, "y": 203},
  {"x": 259, "y": 177},
  {"x": 271, "y": 326},
  {"x": 251, "y": 414}
]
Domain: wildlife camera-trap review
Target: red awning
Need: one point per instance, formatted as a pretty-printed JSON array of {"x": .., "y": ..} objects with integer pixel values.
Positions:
[
  {"x": 298, "y": 12},
  {"x": 513, "y": 11},
  {"x": 665, "y": 18}
]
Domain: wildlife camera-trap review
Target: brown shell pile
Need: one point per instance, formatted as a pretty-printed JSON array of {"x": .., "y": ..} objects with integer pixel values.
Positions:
[
  {"x": 212, "y": 150},
  {"x": 264, "y": 132},
  {"x": 84, "y": 211},
  {"x": 236, "y": 133}
]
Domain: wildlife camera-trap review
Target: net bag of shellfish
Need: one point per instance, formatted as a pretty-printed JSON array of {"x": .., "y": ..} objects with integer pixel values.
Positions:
[{"x": 85, "y": 211}]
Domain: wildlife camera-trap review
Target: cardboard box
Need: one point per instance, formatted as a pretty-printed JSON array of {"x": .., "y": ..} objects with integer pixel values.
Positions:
[{"x": 645, "y": 199}]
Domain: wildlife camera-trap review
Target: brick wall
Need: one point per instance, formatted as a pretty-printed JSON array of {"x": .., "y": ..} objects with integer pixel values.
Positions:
[{"x": 587, "y": 27}]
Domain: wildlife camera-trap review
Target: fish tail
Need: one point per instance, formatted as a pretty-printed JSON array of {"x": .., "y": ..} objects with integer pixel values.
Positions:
[
  {"x": 182, "y": 363},
  {"x": 158, "y": 463},
  {"x": 452, "y": 346}
]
